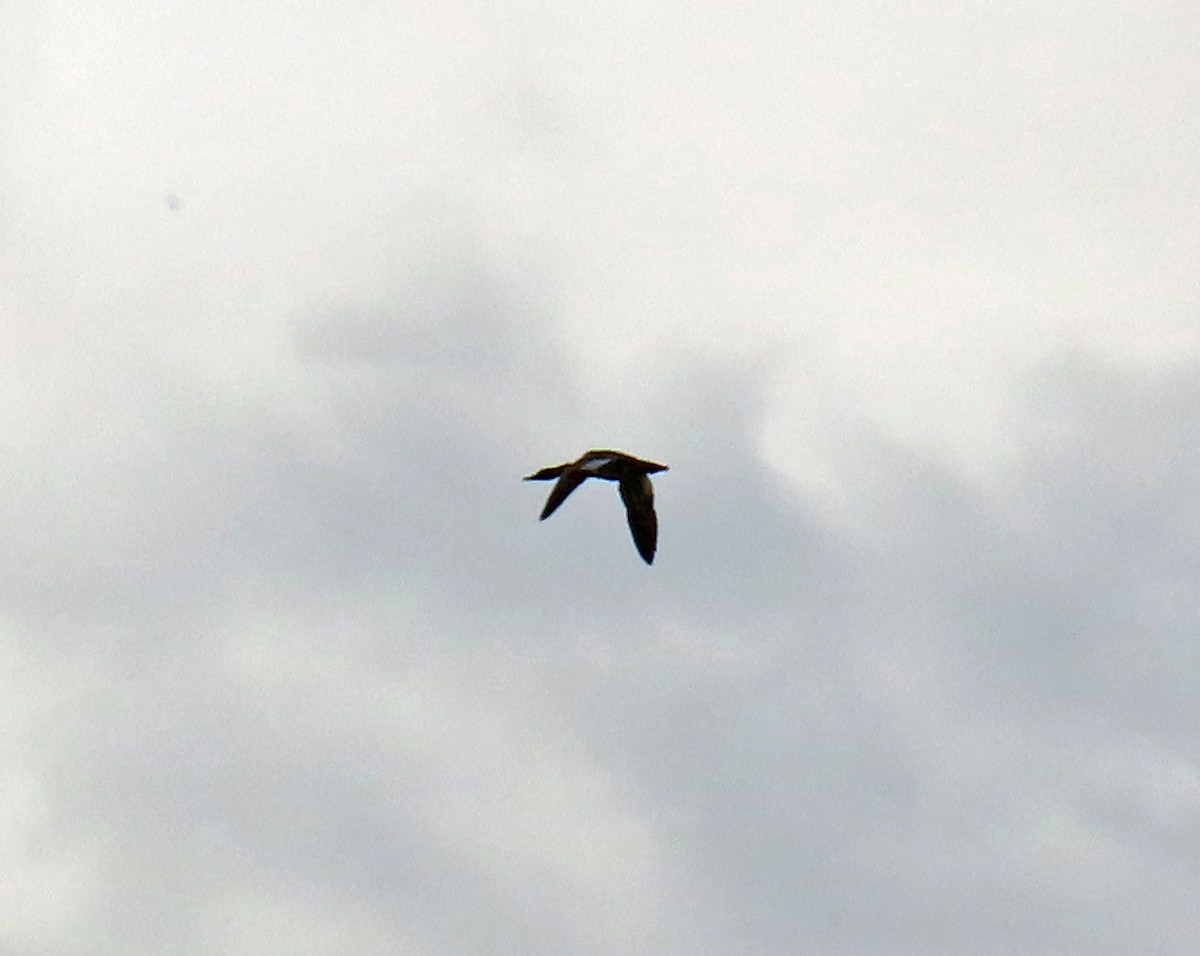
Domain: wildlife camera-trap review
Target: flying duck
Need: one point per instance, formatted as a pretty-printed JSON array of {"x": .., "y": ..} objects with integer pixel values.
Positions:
[{"x": 633, "y": 475}]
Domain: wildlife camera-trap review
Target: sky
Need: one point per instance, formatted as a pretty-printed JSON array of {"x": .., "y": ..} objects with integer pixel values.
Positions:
[{"x": 292, "y": 295}]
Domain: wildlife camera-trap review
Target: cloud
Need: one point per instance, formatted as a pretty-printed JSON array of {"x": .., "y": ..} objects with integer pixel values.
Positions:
[{"x": 287, "y": 662}]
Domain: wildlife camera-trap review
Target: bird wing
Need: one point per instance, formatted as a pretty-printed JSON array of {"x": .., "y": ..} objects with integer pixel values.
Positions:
[
  {"x": 567, "y": 482},
  {"x": 638, "y": 495}
]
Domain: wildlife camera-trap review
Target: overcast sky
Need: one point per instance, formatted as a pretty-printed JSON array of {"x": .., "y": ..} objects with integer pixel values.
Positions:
[{"x": 292, "y": 295}]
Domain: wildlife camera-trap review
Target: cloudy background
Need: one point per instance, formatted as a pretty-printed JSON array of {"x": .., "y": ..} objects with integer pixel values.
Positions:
[{"x": 293, "y": 293}]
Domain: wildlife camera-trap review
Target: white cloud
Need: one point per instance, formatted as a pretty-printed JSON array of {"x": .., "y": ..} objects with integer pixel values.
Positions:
[{"x": 905, "y": 298}]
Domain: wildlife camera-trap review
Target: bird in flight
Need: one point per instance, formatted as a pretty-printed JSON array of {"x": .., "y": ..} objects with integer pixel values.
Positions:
[{"x": 633, "y": 477}]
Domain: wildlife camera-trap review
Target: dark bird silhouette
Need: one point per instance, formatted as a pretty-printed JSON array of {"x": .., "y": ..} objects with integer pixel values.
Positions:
[{"x": 633, "y": 477}]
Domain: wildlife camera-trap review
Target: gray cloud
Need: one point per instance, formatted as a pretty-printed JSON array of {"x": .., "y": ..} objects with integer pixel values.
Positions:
[{"x": 287, "y": 662}]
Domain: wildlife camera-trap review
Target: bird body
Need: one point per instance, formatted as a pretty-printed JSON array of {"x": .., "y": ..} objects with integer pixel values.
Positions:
[{"x": 633, "y": 478}]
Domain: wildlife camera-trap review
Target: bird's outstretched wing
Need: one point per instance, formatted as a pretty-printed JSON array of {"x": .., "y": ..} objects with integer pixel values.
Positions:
[
  {"x": 638, "y": 495},
  {"x": 568, "y": 481}
]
